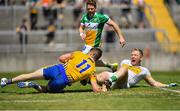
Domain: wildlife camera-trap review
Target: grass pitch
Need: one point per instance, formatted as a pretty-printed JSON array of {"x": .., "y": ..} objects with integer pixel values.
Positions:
[{"x": 78, "y": 97}]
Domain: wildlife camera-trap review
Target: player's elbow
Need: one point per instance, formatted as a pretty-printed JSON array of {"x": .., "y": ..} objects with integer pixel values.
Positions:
[
  {"x": 61, "y": 59},
  {"x": 102, "y": 76}
]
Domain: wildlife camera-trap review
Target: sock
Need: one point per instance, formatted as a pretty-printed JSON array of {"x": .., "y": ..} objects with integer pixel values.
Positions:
[
  {"x": 9, "y": 81},
  {"x": 36, "y": 86},
  {"x": 40, "y": 88},
  {"x": 108, "y": 65},
  {"x": 113, "y": 78}
]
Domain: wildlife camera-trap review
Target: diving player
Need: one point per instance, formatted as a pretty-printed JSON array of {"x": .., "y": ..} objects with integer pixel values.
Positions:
[{"x": 74, "y": 67}]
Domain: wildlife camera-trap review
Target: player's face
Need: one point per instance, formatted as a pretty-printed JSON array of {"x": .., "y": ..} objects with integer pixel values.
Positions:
[
  {"x": 91, "y": 10},
  {"x": 135, "y": 58},
  {"x": 91, "y": 53}
]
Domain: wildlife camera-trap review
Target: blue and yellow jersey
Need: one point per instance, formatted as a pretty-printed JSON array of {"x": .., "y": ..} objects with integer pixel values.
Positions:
[
  {"x": 93, "y": 28},
  {"x": 79, "y": 67}
]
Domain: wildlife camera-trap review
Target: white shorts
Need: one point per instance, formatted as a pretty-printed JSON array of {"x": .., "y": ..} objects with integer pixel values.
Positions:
[
  {"x": 86, "y": 49},
  {"x": 118, "y": 85}
]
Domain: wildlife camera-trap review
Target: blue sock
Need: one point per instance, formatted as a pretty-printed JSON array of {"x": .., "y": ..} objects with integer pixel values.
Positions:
[{"x": 9, "y": 81}]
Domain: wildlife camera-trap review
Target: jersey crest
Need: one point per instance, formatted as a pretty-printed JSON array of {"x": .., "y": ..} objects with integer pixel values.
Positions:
[{"x": 135, "y": 69}]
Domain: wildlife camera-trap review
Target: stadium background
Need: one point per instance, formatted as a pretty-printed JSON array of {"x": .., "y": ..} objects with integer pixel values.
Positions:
[{"x": 160, "y": 38}]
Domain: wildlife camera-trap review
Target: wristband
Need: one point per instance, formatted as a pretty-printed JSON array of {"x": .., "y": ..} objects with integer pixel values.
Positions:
[{"x": 81, "y": 34}]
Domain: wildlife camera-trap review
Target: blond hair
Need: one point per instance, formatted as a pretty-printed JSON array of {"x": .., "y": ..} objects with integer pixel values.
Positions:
[{"x": 139, "y": 50}]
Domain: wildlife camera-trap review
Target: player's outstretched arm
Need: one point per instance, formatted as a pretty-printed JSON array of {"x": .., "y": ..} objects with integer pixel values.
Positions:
[
  {"x": 154, "y": 83},
  {"x": 65, "y": 57},
  {"x": 118, "y": 31}
]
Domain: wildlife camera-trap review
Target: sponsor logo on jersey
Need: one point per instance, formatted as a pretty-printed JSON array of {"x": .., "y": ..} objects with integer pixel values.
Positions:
[{"x": 91, "y": 25}]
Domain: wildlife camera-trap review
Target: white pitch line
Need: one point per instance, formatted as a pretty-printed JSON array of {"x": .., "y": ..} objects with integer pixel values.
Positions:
[{"x": 170, "y": 90}]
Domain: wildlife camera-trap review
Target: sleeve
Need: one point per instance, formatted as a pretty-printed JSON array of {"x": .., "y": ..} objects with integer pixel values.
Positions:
[
  {"x": 124, "y": 62},
  {"x": 92, "y": 77},
  {"x": 82, "y": 20},
  {"x": 147, "y": 72},
  {"x": 75, "y": 52},
  {"x": 105, "y": 18}
]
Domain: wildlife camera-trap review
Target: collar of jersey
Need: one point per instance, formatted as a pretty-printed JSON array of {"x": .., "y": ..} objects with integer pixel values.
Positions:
[{"x": 90, "y": 17}]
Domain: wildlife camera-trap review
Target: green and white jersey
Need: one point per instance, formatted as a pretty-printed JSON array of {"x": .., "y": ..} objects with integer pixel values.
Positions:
[{"x": 93, "y": 28}]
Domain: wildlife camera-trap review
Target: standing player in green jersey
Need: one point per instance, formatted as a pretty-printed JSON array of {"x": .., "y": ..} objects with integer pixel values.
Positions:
[{"x": 92, "y": 24}]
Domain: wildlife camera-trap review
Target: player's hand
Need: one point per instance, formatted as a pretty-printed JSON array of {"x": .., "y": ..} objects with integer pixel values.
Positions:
[
  {"x": 104, "y": 89},
  {"x": 172, "y": 85},
  {"x": 83, "y": 36},
  {"x": 18, "y": 29},
  {"x": 97, "y": 89},
  {"x": 108, "y": 84},
  {"x": 122, "y": 41}
]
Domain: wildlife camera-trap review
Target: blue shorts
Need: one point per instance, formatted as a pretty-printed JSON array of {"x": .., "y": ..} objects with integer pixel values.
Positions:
[{"x": 57, "y": 78}]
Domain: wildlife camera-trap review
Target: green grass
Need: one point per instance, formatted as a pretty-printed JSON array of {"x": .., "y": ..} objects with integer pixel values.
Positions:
[{"x": 79, "y": 97}]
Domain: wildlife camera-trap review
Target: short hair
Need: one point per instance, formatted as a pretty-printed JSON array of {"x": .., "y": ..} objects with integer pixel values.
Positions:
[
  {"x": 139, "y": 50},
  {"x": 97, "y": 53},
  {"x": 91, "y": 2}
]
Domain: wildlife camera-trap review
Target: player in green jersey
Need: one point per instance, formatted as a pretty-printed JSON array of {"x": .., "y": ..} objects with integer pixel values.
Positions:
[{"x": 92, "y": 24}]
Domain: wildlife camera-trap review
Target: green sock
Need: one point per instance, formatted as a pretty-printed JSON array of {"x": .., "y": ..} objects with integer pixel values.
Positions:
[{"x": 113, "y": 78}]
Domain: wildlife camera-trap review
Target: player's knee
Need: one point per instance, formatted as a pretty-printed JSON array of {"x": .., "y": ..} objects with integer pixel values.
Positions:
[
  {"x": 102, "y": 76},
  {"x": 124, "y": 69}
]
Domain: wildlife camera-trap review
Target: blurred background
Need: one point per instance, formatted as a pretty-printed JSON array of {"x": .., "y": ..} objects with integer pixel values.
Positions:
[{"x": 33, "y": 33}]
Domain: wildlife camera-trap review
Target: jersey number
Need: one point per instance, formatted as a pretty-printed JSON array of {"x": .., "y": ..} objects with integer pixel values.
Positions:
[{"x": 84, "y": 62}]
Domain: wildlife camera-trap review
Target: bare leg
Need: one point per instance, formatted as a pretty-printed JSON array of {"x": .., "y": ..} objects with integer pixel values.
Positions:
[
  {"x": 24, "y": 77},
  {"x": 30, "y": 76},
  {"x": 122, "y": 79},
  {"x": 101, "y": 63},
  {"x": 108, "y": 78},
  {"x": 121, "y": 74},
  {"x": 102, "y": 77}
]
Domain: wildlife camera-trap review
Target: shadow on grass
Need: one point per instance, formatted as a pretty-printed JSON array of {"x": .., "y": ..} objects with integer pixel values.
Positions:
[
  {"x": 77, "y": 91},
  {"x": 65, "y": 91},
  {"x": 140, "y": 85},
  {"x": 15, "y": 92}
]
